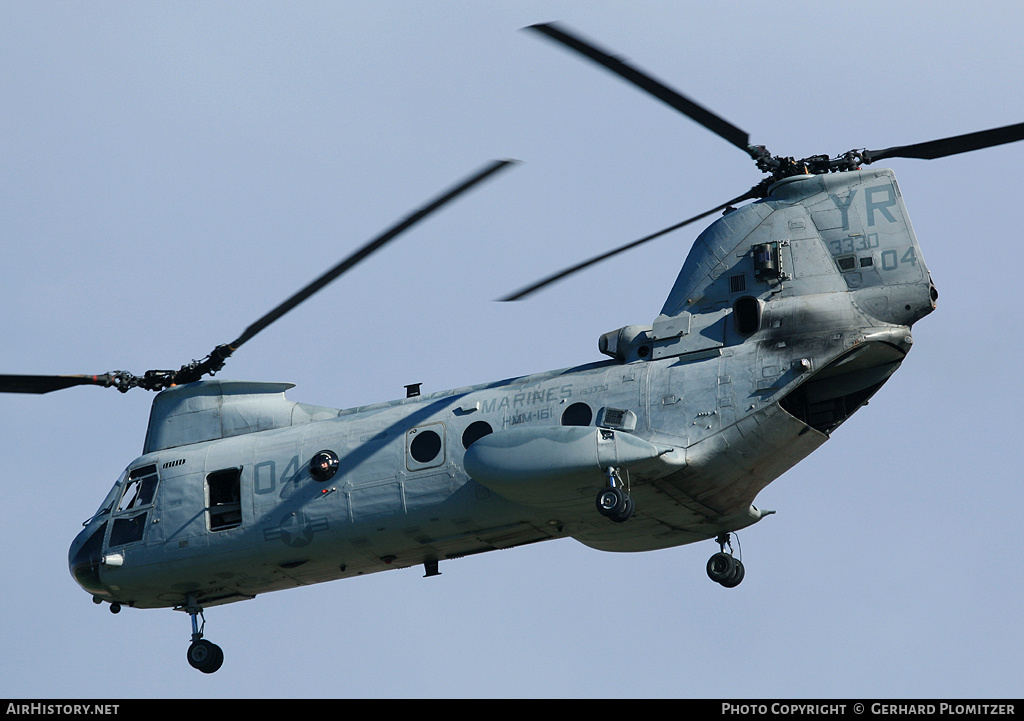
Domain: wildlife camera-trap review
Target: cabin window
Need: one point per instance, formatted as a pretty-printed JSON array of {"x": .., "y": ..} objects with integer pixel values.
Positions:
[
  {"x": 324, "y": 465},
  {"x": 746, "y": 315},
  {"x": 425, "y": 447},
  {"x": 474, "y": 432},
  {"x": 224, "y": 499},
  {"x": 578, "y": 414}
]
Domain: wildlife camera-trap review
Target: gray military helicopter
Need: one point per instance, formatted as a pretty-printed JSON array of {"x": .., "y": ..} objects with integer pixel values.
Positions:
[{"x": 788, "y": 314}]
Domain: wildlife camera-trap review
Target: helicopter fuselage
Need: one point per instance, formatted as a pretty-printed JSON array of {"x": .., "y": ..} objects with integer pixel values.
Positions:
[{"x": 788, "y": 314}]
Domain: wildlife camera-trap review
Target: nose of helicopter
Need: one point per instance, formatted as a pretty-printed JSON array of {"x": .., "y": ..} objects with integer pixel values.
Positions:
[{"x": 84, "y": 559}]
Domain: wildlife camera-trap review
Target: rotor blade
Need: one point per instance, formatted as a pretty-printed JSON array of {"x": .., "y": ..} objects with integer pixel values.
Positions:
[
  {"x": 157, "y": 380},
  {"x": 522, "y": 293},
  {"x": 46, "y": 384},
  {"x": 366, "y": 250},
  {"x": 951, "y": 146},
  {"x": 705, "y": 117}
]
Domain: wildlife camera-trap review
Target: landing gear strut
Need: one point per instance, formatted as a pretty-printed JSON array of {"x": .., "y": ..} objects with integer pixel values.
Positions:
[
  {"x": 202, "y": 655},
  {"x": 614, "y": 501},
  {"x": 724, "y": 568}
]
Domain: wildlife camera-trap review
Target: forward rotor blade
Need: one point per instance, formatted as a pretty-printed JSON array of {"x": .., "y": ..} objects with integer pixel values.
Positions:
[
  {"x": 754, "y": 192},
  {"x": 951, "y": 146},
  {"x": 641, "y": 79},
  {"x": 47, "y": 384},
  {"x": 157, "y": 380},
  {"x": 374, "y": 245}
]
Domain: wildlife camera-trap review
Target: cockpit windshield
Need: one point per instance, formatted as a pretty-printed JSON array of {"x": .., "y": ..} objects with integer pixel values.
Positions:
[
  {"x": 108, "y": 502},
  {"x": 134, "y": 489}
]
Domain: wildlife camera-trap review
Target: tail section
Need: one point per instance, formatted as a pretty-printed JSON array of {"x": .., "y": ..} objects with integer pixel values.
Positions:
[{"x": 844, "y": 238}]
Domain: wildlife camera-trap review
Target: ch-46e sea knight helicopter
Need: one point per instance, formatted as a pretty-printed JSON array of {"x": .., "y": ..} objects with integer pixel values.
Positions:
[{"x": 788, "y": 314}]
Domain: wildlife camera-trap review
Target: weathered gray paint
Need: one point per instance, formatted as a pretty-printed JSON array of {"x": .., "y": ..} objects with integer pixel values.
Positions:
[{"x": 712, "y": 415}]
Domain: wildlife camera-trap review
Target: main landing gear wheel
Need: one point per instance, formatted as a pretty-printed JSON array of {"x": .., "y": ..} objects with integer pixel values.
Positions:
[
  {"x": 724, "y": 568},
  {"x": 616, "y": 504},
  {"x": 205, "y": 656}
]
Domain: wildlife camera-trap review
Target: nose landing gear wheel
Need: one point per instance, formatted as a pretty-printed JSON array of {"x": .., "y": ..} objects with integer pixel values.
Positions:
[
  {"x": 205, "y": 656},
  {"x": 202, "y": 654}
]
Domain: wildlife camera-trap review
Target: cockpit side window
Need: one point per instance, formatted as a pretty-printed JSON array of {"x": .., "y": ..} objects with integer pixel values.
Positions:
[
  {"x": 129, "y": 524},
  {"x": 128, "y": 530},
  {"x": 139, "y": 489}
]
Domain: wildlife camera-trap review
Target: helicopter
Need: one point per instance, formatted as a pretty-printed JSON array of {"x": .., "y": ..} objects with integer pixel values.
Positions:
[{"x": 788, "y": 314}]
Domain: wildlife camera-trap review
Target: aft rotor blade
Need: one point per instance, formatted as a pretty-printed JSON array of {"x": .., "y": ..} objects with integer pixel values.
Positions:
[
  {"x": 361, "y": 254},
  {"x": 643, "y": 80},
  {"x": 951, "y": 146},
  {"x": 522, "y": 293},
  {"x": 47, "y": 384}
]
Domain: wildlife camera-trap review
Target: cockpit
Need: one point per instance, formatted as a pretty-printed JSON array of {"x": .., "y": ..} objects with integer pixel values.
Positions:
[{"x": 119, "y": 523}]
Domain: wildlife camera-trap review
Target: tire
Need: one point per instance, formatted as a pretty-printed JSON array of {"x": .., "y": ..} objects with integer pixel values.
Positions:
[
  {"x": 736, "y": 577},
  {"x": 611, "y": 502},
  {"x": 627, "y": 511},
  {"x": 721, "y": 567},
  {"x": 205, "y": 656}
]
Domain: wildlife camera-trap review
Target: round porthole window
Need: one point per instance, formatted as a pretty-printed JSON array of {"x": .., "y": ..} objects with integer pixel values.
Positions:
[
  {"x": 474, "y": 432},
  {"x": 578, "y": 414},
  {"x": 324, "y": 465},
  {"x": 425, "y": 446}
]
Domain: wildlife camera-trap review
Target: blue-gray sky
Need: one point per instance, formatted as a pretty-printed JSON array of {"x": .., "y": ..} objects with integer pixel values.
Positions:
[{"x": 173, "y": 170}]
